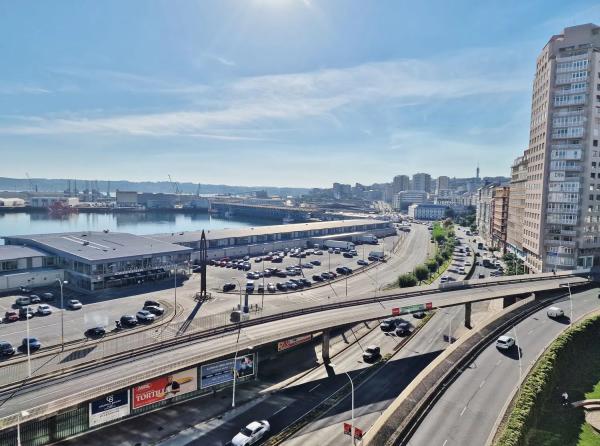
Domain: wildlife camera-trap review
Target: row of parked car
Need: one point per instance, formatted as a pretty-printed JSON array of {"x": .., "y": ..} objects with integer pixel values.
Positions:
[
  {"x": 25, "y": 310},
  {"x": 148, "y": 314}
]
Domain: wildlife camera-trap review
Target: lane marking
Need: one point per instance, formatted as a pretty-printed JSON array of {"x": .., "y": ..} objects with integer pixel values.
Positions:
[
  {"x": 463, "y": 411},
  {"x": 499, "y": 361},
  {"x": 482, "y": 384},
  {"x": 445, "y": 441},
  {"x": 280, "y": 410},
  {"x": 314, "y": 387}
]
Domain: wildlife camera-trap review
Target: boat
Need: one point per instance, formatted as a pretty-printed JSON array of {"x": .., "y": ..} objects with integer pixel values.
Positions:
[{"x": 61, "y": 208}]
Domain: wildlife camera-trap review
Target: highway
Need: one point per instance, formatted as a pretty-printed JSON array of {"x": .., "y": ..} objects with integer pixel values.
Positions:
[
  {"x": 468, "y": 410},
  {"x": 127, "y": 371}
]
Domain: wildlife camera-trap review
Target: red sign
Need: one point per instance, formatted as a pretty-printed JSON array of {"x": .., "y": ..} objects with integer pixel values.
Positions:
[
  {"x": 289, "y": 343},
  {"x": 347, "y": 429},
  {"x": 358, "y": 433},
  {"x": 428, "y": 305},
  {"x": 164, "y": 388},
  {"x": 395, "y": 311}
]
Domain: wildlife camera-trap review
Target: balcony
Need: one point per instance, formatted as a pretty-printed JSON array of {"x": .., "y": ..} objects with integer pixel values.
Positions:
[
  {"x": 568, "y": 232},
  {"x": 560, "y": 261},
  {"x": 571, "y": 244}
]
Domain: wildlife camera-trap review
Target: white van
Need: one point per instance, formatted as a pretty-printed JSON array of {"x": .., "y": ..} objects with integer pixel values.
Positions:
[
  {"x": 23, "y": 301},
  {"x": 555, "y": 312}
]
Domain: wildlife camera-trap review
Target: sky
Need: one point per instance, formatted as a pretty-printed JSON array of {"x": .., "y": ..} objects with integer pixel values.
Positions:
[{"x": 270, "y": 92}]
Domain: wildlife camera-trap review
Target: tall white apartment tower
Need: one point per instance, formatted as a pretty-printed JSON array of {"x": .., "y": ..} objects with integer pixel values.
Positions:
[{"x": 561, "y": 224}]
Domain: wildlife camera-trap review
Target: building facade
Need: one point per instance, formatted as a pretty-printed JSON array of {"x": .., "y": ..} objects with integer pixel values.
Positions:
[
  {"x": 427, "y": 211},
  {"x": 442, "y": 185},
  {"x": 421, "y": 182},
  {"x": 405, "y": 198},
  {"x": 483, "y": 219},
  {"x": 561, "y": 218},
  {"x": 516, "y": 207},
  {"x": 400, "y": 183},
  {"x": 499, "y": 211}
]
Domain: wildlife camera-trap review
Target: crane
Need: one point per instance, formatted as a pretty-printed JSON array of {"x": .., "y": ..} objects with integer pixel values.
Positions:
[
  {"x": 29, "y": 181},
  {"x": 173, "y": 185}
]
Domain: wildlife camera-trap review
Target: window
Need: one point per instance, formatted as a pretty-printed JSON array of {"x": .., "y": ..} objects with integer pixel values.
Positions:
[{"x": 595, "y": 143}]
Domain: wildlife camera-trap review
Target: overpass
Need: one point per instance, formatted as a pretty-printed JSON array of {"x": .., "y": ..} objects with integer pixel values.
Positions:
[{"x": 60, "y": 391}]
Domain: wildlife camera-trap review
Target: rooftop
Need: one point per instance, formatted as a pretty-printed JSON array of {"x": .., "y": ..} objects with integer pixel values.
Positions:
[
  {"x": 98, "y": 246},
  {"x": 193, "y": 236},
  {"x": 11, "y": 252}
]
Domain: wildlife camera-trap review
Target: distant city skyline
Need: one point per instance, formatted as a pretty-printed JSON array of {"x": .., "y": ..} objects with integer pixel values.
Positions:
[{"x": 288, "y": 93}]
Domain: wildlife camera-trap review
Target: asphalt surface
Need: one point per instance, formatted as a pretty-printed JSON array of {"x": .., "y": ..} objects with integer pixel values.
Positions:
[{"x": 468, "y": 410}]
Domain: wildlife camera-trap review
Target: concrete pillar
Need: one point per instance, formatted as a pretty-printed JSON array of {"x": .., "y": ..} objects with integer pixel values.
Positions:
[
  {"x": 325, "y": 347},
  {"x": 508, "y": 301},
  {"x": 468, "y": 315}
]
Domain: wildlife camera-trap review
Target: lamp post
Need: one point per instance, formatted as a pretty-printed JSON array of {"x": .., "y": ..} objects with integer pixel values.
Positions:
[
  {"x": 20, "y": 415},
  {"x": 234, "y": 363},
  {"x": 62, "y": 313},
  {"x": 240, "y": 288},
  {"x": 175, "y": 288},
  {"x": 571, "y": 304},
  {"x": 263, "y": 280},
  {"x": 28, "y": 343},
  {"x": 351, "y": 407}
]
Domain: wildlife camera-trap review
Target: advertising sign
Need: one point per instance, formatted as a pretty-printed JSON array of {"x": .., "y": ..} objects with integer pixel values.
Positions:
[
  {"x": 109, "y": 407},
  {"x": 165, "y": 387},
  {"x": 347, "y": 429},
  {"x": 358, "y": 433},
  {"x": 396, "y": 311},
  {"x": 289, "y": 343},
  {"x": 222, "y": 371}
]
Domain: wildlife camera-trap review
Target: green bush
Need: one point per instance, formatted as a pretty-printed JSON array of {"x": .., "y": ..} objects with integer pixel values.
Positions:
[
  {"x": 439, "y": 259},
  {"x": 422, "y": 273},
  {"x": 407, "y": 280},
  {"x": 432, "y": 265}
]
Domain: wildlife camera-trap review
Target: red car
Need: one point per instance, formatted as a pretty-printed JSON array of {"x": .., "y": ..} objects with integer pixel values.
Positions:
[{"x": 11, "y": 316}]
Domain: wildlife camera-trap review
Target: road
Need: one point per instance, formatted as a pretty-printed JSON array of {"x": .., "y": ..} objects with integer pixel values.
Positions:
[{"x": 467, "y": 412}]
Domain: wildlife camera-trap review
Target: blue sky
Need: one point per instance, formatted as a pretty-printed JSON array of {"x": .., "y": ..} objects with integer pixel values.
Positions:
[{"x": 270, "y": 92}]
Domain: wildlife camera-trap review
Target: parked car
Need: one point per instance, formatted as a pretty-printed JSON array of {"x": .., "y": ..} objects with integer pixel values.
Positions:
[
  {"x": 326, "y": 276},
  {"x": 305, "y": 281},
  {"x": 35, "y": 299},
  {"x": 26, "y": 313},
  {"x": 281, "y": 286},
  {"x": 155, "y": 310},
  {"x": 307, "y": 265},
  {"x": 271, "y": 288},
  {"x": 362, "y": 262},
  {"x": 291, "y": 285},
  {"x": 74, "y": 304},
  {"x": 348, "y": 255},
  {"x": 6, "y": 349},
  {"x": 48, "y": 297},
  {"x": 481, "y": 276},
  {"x": 260, "y": 289},
  {"x": 555, "y": 312},
  {"x": 419, "y": 314},
  {"x": 151, "y": 303},
  {"x": 505, "y": 343},
  {"x": 34, "y": 344},
  {"x": 228, "y": 287},
  {"x": 317, "y": 278},
  {"x": 44, "y": 310},
  {"x": 252, "y": 433},
  {"x": 145, "y": 316},
  {"x": 128, "y": 320},
  {"x": 11, "y": 316},
  {"x": 23, "y": 301},
  {"x": 250, "y": 286},
  {"x": 371, "y": 353},
  {"x": 316, "y": 262},
  {"x": 95, "y": 332}
]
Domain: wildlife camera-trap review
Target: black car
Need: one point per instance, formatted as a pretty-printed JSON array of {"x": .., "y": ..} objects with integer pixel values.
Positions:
[
  {"x": 151, "y": 303},
  {"x": 26, "y": 313},
  {"x": 317, "y": 278},
  {"x": 95, "y": 332},
  {"x": 281, "y": 286},
  {"x": 402, "y": 329},
  {"x": 341, "y": 270},
  {"x": 6, "y": 349},
  {"x": 228, "y": 287},
  {"x": 348, "y": 255},
  {"x": 34, "y": 344},
  {"x": 281, "y": 274},
  {"x": 155, "y": 310},
  {"x": 129, "y": 320},
  {"x": 305, "y": 281}
]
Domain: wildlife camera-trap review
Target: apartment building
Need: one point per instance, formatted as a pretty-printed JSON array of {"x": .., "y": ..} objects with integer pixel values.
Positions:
[
  {"x": 400, "y": 183},
  {"x": 516, "y": 207},
  {"x": 405, "y": 198},
  {"x": 499, "y": 214},
  {"x": 561, "y": 216},
  {"x": 421, "y": 182},
  {"x": 483, "y": 219}
]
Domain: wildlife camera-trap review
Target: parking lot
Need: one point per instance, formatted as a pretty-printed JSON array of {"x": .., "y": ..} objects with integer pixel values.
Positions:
[{"x": 311, "y": 263}]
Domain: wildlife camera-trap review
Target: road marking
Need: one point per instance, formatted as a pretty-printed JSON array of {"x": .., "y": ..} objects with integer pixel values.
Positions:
[
  {"x": 482, "y": 384},
  {"x": 280, "y": 410},
  {"x": 314, "y": 387},
  {"x": 499, "y": 361},
  {"x": 445, "y": 441},
  {"x": 463, "y": 411}
]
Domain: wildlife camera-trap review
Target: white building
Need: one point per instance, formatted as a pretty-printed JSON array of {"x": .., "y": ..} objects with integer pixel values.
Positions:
[{"x": 427, "y": 211}]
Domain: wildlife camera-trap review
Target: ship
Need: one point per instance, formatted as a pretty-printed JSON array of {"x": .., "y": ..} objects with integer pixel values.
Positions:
[{"x": 61, "y": 208}]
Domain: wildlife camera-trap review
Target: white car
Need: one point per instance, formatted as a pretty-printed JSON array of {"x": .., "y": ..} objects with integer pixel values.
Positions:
[
  {"x": 251, "y": 433},
  {"x": 74, "y": 304},
  {"x": 444, "y": 279},
  {"x": 555, "y": 312},
  {"x": 505, "y": 343},
  {"x": 44, "y": 310},
  {"x": 145, "y": 316}
]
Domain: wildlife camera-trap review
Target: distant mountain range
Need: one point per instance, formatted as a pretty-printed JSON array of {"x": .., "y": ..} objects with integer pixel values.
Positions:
[{"x": 59, "y": 185}]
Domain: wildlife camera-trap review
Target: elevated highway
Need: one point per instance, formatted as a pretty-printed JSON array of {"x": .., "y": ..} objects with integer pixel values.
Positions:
[{"x": 78, "y": 385}]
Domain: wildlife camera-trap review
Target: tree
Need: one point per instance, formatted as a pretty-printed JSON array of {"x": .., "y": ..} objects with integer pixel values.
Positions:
[
  {"x": 422, "y": 273},
  {"x": 447, "y": 223},
  {"x": 439, "y": 259},
  {"x": 407, "y": 280},
  {"x": 432, "y": 265},
  {"x": 439, "y": 238}
]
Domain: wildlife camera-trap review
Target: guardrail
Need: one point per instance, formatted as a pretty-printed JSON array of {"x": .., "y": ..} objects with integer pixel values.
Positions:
[{"x": 15, "y": 371}]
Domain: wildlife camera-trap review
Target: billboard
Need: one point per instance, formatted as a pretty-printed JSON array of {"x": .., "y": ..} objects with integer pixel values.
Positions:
[
  {"x": 164, "y": 388},
  {"x": 109, "y": 407},
  {"x": 293, "y": 342},
  {"x": 222, "y": 371}
]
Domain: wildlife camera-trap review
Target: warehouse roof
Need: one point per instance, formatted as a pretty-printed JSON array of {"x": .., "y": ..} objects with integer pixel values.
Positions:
[
  {"x": 98, "y": 246},
  {"x": 194, "y": 236},
  {"x": 11, "y": 252}
]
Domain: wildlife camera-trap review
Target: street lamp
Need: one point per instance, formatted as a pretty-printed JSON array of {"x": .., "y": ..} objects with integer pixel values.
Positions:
[
  {"x": 234, "y": 362},
  {"x": 28, "y": 344},
  {"x": 20, "y": 415},
  {"x": 62, "y": 313},
  {"x": 352, "y": 406},
  {"x": 240, "y": 288},
  {"x": 175, "y": 288},
  {"x": 570, "y": 303}
]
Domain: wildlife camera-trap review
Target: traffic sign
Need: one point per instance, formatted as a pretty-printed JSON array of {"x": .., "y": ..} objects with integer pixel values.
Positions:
[
  {"x": 395, "y": 311},
  {"x": 429, "y": 305},
  {"x": 358, "y": 433},
  {"x": 347, "y": 429}
]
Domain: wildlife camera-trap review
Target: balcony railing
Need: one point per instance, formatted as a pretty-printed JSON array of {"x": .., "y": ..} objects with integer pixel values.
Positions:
[{"x": 568, "y": 243}]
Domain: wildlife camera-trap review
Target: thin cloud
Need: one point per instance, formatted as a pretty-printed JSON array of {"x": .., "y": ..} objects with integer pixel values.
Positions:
[{"x": 22, "y": 89}]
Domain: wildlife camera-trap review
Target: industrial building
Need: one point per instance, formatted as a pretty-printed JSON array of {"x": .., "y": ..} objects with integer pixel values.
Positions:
[
  {"x": 96, "y": 260},
  {"x": 21, "y": 266}
]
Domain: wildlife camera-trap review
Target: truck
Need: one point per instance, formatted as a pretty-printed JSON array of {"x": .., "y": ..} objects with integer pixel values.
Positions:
[
  {"x": 338, "y": 244},
  {"x": 368, "y": 238}
]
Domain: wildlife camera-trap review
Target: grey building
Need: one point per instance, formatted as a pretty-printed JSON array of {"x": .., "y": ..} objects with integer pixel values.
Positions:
[{"x": 421, "y": 182}]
